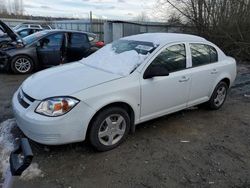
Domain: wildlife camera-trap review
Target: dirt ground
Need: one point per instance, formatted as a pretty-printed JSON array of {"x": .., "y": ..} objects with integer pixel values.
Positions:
[{"x": 191, "y": 148}]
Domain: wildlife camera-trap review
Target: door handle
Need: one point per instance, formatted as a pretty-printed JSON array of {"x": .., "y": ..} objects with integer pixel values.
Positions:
[
  {"x": 214, "y": 71},
  {"x": 184, "y": 79}
]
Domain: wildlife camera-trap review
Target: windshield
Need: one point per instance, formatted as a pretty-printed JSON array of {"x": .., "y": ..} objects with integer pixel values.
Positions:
[
  {"x": 33, "y": 37},
  {"x": 121, "y": 57}
]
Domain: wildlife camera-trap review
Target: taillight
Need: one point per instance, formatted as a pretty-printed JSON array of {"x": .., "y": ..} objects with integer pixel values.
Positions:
[{"x": 99, "y": 44}]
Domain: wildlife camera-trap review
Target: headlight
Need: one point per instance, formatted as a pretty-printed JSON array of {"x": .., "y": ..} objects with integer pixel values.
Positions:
[{"x": 56, "y": 106}]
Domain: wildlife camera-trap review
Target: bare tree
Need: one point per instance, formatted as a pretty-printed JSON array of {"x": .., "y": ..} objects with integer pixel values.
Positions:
[
  {"x": 225, "y": 22},
  {"x": 174, "y": 19},
  {"x": 11, "y": 7},
  {"x": 3, "y": 8},
  {"x": 18, "y": 7},
  {"x": 142, "y": 17}
]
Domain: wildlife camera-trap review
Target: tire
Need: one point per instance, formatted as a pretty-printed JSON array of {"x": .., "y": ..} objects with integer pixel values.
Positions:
[
  {"x": 22, "y": 64},
  {"x": 104, "y": 134},
  {"x": 218, "y": 97}
]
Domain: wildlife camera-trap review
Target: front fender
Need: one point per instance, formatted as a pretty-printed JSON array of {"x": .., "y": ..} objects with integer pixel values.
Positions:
[{"x": 125, "y": 90}]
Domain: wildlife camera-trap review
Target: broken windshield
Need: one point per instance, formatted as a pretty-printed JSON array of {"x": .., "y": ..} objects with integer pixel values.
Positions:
[
  {"x": 140, "y": 47},
  {"x": 121, "y": 57}
]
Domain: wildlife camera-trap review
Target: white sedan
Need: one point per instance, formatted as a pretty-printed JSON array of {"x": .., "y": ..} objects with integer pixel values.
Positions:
[{"x": 135, "y": 79}]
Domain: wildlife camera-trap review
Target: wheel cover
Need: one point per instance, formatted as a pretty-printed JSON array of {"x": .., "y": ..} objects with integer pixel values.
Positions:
[
  {"x": 112, "y": 130},
  {"x": 220, "y": 96},
  {"x": 22, "y": 65}
]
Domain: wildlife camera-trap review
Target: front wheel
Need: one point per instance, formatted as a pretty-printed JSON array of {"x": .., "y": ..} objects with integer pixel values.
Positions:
[
  {"x": 218, "y": 97},
  {"x": 22, "y": 65},
  {"x": 109, "y": 128}
]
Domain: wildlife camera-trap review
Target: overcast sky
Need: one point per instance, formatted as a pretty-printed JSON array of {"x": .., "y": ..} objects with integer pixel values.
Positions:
[{"x": 111, "y": 9}]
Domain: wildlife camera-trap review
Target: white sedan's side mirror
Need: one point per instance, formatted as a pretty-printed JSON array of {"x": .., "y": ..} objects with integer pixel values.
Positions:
[{"x": 154, "y": 71}]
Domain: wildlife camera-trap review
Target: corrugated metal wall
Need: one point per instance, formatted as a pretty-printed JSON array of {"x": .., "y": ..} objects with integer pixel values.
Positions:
[
  {"x": 107, "y": 30},
  {"x": 118, "y": 29},
  {"x": 131, "y": 29},
  {"x": 82, "y": 25}
]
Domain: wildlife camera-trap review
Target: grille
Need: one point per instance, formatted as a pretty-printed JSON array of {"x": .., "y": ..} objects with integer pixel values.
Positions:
[
  {"x": 28, "y": 97},
  {"x": 24, "y": 99}
]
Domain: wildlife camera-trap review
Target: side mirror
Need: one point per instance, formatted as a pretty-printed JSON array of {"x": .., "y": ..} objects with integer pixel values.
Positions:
[{"x": 154, "y": 71}]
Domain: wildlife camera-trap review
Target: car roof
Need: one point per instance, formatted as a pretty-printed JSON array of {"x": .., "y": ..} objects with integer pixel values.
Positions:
[
  {"x": 164, "y": 38},
  {"x": 25, "y": 28},
  {"x": 44, "y": 33},
  {"x": 69, "y": 31}
]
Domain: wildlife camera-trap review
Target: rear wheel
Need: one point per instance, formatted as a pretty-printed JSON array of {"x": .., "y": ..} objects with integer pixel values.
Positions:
[
  {"x": 109, "y": 128},
  {"x": 218, "y": 97},
  {"x": 22, "y": 65}
]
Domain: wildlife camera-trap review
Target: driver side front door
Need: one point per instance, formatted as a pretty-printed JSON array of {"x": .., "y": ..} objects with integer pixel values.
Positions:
[
  {"x": 50, "y": 49},
  {"x": 166, "y": 94}
]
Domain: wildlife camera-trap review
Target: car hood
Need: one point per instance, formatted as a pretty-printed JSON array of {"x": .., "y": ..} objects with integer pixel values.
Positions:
[
  {"x": 9, "y": 32},
  {"x": 65, "y": 80}
]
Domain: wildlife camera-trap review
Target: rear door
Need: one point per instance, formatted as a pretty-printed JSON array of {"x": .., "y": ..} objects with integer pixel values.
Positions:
[
  {"x": 78, "y": 46},
  {"x": 50, "y": 49},
  {"x": 203, "y": 69}
]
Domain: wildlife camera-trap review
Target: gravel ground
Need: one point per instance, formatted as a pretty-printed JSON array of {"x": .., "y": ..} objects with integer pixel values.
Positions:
[{"x": 191, "y": 148}]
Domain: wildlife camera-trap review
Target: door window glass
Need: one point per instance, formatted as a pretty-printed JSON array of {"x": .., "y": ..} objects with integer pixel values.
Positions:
[
  {"x": 35, "y": 26},
  {"x": 33, "y": 31},
  {"x": 52, "y": 40},
  {"x": 173, "y": 58},
  {"x": 78, "y": 39},
  {"x": 203, "y": 54}
]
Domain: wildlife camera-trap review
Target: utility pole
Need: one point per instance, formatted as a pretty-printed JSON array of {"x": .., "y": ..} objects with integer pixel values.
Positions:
[
  {"x": 91, "y": 21},
  {"x": 21, "y": 7},
  {"x": 9, "y": 8}
]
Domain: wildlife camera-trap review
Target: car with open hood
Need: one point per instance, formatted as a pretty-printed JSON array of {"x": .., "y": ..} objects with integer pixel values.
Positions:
[
  {"x": 43, "y": 49},
  {"x": 32, "y": 25},
  {"x": 135, "y": 79},
  {"x": 22, "y": 32},
  {"x": 7, "y": 34}
]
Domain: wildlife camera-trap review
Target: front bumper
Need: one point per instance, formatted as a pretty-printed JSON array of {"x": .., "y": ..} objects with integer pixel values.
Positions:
[
  {"x": 4, "y": 59},
  {"x": 69, "y": 128}
]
